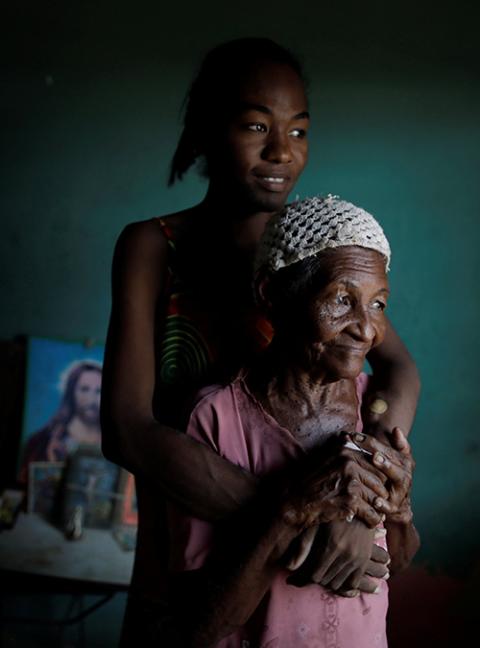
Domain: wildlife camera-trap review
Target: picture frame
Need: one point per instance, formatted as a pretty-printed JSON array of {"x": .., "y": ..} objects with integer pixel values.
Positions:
[
  {"x": 90, "y": 485},
  {"x": 44, "y": 487},
  {"x": 62, "y": 401}
]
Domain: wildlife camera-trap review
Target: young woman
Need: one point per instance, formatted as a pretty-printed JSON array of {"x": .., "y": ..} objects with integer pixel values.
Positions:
[
  {"x": 183, "y": 315},
  {"x": 325, "y": 290}
]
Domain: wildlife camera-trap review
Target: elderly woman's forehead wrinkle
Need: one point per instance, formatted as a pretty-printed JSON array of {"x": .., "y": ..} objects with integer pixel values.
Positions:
[
  {"x": 349, "y": 261},
  {"x": 356, "y": 254}
]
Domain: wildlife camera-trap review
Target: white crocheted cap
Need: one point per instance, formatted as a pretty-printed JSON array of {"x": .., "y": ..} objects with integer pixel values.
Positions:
[{"x": 309, "y": 226}]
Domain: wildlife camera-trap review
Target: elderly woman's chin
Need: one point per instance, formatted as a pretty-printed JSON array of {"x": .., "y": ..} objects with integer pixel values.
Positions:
[
  {"x": 338, "y": 363},
  {"x": 348, "y": 371}
]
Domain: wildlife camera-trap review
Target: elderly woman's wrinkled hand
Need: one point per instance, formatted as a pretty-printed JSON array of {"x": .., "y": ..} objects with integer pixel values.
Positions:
[
  {"x": 397, "y": 464},
  {"x": 344, "y": 487}
]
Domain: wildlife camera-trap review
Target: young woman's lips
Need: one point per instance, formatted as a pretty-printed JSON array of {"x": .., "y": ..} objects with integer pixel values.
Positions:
[{"x": 275, "y": 183}]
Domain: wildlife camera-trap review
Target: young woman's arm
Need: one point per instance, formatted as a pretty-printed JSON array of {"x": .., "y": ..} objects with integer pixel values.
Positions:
[
  {"x": 395, "y": 382},
  {"x": 219, "y": 599},
  {"x": 187, "y": 471},
  {"x": 403, "y": 543}
]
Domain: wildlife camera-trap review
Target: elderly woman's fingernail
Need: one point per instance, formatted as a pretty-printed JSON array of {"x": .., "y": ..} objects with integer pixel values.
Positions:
[
  {"x": 359, "y": 437},
  {"x": 350, "y": 517},
  {"x": 376, "y": 590},
  {"x": 380, "y": 533},
  {"x": 379, "y": 459},
  {"x": 386, "y": 577},
  {"x": 378, "y": 503},
  {"x": 352, "y": 593}
]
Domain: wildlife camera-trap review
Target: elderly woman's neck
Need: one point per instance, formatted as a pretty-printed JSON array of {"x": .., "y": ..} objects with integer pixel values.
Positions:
[
  {"x": 309, "y": 405},
  {"x": 278, "y": 372},
  {"x": 292, "y": 380}
]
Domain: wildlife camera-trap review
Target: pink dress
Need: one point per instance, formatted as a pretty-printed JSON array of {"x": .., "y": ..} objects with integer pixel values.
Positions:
[{"x": 232, "y": 422}]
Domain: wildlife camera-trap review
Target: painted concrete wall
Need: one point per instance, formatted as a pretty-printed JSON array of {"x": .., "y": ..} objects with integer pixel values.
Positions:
[{"x": 90, "y": 121}]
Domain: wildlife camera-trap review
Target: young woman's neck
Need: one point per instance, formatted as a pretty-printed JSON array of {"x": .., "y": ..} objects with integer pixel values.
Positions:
[{"x": 240, "y": 225}]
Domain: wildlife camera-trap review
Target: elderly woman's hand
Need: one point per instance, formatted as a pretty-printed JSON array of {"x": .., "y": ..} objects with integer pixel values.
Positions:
[
  {"x": 397, "y": 464},
  {"x": 341, "y": 487}
]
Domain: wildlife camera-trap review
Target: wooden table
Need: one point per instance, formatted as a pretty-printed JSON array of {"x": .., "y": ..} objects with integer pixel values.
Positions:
[
  {"x": 35, "y": 558},
  {"x": 35, "y": 547}
]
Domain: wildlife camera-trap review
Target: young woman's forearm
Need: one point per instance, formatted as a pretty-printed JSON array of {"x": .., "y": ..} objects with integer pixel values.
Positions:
[
  {"x": 403, "y": 543},
  {"x": 188, "y": 472},
  {"x": 396, "y": 382},
  {"x": 235, "y": 590}
]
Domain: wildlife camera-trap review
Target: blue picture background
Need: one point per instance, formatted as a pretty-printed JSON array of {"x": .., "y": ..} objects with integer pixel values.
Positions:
[{"x": 47, "y": 360}]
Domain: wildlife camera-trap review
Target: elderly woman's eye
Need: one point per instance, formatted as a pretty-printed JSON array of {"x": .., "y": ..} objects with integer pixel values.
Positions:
[
  {"x": 343, "y": 300},
  {"x": 379, "y": 305}
]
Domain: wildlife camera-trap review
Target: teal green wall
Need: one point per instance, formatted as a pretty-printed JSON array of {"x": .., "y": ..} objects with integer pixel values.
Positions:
[{"x": 90, "y": 121}]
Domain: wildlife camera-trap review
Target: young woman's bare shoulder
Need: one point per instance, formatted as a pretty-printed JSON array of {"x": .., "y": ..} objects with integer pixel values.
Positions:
[
  {"x": 180, "y": 222},
  {"x": 146, "y": 236},
  {"x": 141, "y": 237},
  {"x": 141, "y": 254}
]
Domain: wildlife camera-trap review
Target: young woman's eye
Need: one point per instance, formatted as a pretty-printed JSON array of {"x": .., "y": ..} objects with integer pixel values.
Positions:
[
  {"x": 257, "y": 128},
  {"x": 299, "y": 133}
]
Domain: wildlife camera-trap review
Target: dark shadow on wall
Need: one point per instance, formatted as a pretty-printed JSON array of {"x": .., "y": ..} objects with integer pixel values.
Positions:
[{"x": 429, "y": 608}]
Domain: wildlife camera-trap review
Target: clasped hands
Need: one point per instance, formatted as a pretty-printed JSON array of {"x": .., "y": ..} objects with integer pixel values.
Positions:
[{"x": 339, "y": 504}]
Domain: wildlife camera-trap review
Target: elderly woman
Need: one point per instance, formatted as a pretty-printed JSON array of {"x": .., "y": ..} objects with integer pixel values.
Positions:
[{"x": 293, "y": 418}]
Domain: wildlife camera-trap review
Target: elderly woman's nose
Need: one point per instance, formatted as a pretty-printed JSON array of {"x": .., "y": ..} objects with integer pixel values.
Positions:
[
  {"x": 278, "y": 148},
  {"x": 363, "y": 326}
]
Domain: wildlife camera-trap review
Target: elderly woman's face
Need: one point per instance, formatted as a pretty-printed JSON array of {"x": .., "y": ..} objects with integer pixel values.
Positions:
[{"x": 346, "y": 317}]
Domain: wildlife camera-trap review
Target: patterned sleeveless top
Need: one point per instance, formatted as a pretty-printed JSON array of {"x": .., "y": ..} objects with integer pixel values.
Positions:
[{"x": 192, "y": 350}]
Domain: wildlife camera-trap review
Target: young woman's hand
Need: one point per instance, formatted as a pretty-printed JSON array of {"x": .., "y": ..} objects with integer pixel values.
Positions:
[{"x": 342, "y": 557}]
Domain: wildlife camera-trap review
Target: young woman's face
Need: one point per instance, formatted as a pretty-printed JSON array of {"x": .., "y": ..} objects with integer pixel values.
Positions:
[
  {"x": 346, "y": 318},
  {"x": 263, "y": 146}
]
